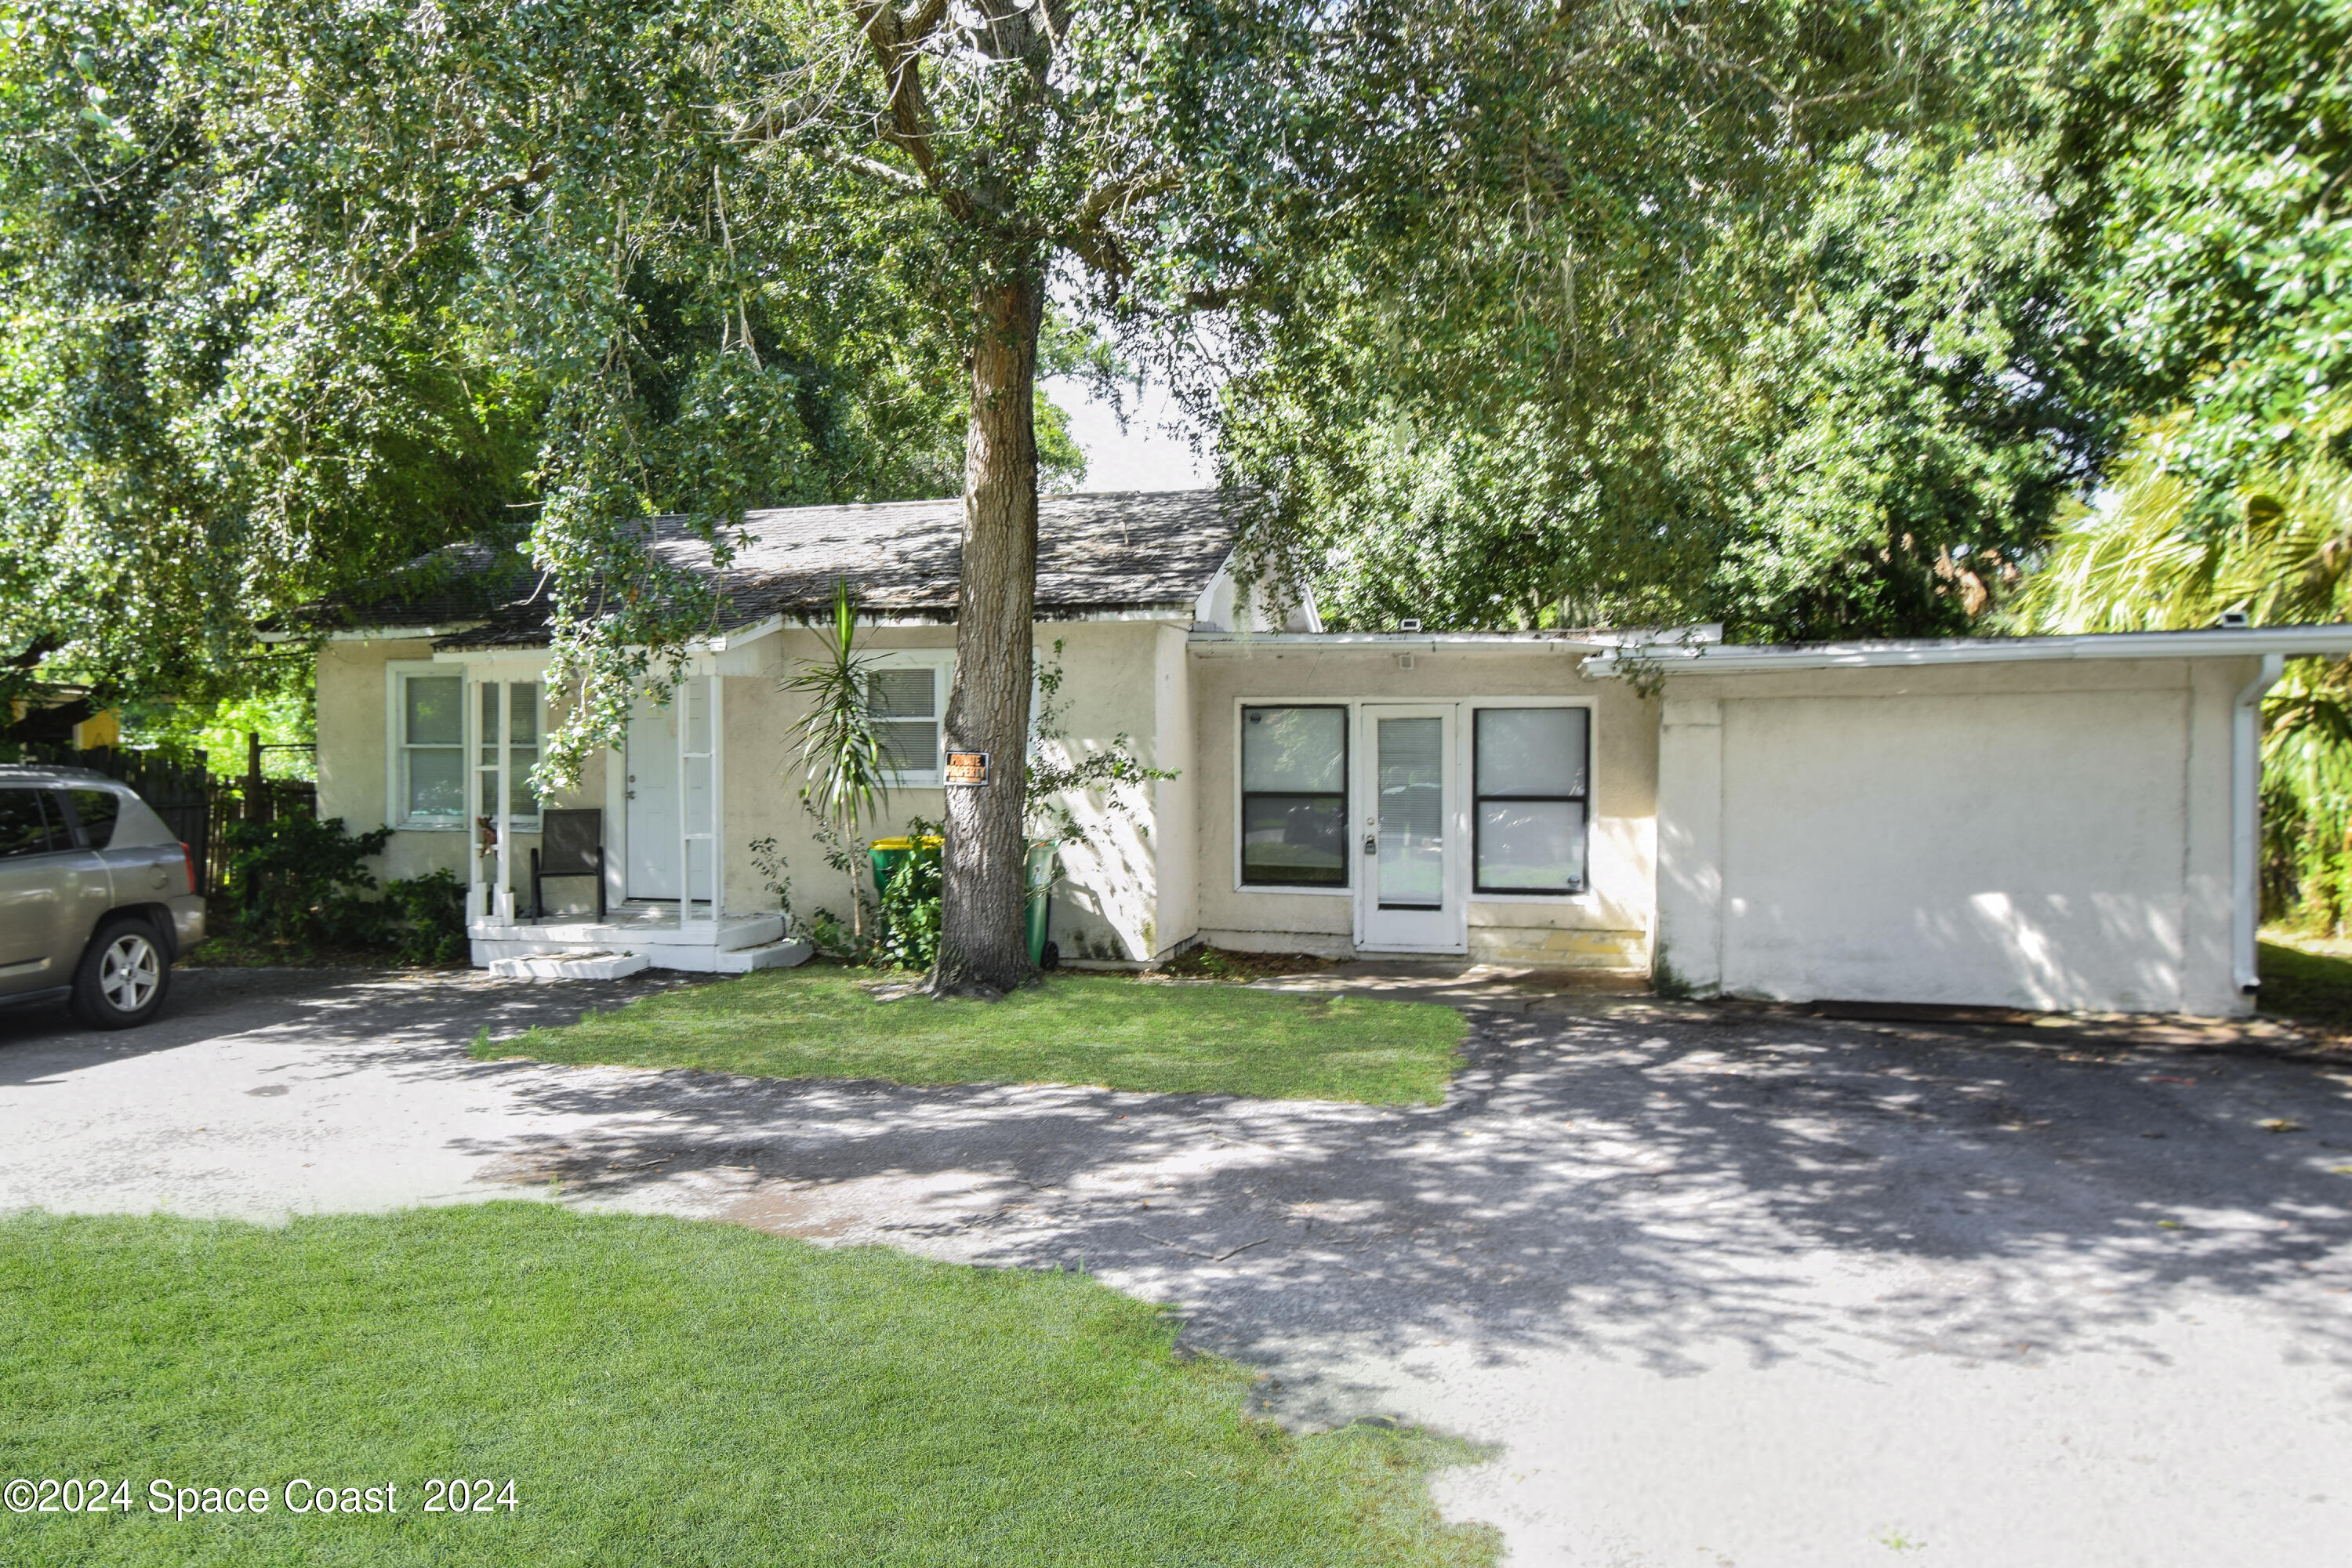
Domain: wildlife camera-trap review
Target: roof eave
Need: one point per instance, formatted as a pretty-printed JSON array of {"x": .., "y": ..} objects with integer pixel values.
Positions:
[{"x": 2201, "y": 643}]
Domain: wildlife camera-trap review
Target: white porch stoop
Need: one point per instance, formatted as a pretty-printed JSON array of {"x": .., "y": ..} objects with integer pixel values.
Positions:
[{"x": 633, "y": 937}]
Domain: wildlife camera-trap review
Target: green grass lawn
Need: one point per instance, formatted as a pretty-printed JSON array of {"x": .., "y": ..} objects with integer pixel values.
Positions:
[
  {"x": 658, "y": 1392},
  {"x": 2311, "y": 988},
  {"x": 1088, "y": 1029}
]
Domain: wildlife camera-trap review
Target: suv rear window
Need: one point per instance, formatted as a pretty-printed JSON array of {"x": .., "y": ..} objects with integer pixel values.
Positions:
[
  {"x": 96, "y": 810},
  {"x": 24, "y": 826}
]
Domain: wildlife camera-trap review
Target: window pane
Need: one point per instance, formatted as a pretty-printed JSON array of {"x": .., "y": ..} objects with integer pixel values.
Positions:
[
  {"x": 902, "y": 693},
  {"x": 1297, "y": 840},
  {"x": 1531, "y": 751},
  {"x": 434, "y": 714},
  {"x": 437, "y": 781},
  {"x": 97, "y": 809},
  {"x": 1411, "y": 767},
  {"x": 521, "y": 802},
  {"x": 909, "y": 745},
  {"x": 1531, "y": 846},
  {"x": 523, "y": 707},
  {"x": 23, "y": 829},
  {"x": 1298, "y": 750}
]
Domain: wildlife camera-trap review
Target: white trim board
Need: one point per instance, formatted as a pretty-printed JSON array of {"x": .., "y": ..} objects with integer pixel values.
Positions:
[{"x": 1730, "y": 659}]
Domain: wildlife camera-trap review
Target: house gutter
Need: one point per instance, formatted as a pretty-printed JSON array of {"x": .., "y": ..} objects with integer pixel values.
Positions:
[
  {"x": 2246, "y": 820},
  {"x": 1734, "y": 658},
  {"x": 1218, "y": 643}
]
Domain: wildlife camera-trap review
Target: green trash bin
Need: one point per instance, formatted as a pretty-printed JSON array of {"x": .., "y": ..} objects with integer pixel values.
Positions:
[
  {"x": 1040, "y": 905},
  {"x": 886, "y": 854}
]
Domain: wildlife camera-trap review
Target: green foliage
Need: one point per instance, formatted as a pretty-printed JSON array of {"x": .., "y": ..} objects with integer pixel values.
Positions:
[
  {"x": 302, "y": 884},
  {"x": 429, "y": 918},
  {"x": 1118, "y": 1032},
  {"x": 775, "y": 875},
  {"x": 844, "y": 769},
  {"x": 1598, "y": 325},
  {"x": 828, "y": 1407},
  {"x": 1103, "y": 774},
  {"x": 273, "y": 700},
  {"x": 296, "y": 291},
  {"x": 2209, "y": 143},
  {"x": 910, "y": 904},
  {"x": 299, "y": 880}
]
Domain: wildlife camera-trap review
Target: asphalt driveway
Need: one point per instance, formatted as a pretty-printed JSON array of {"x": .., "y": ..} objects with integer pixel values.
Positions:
[{"x": 1719, "y": 1289}]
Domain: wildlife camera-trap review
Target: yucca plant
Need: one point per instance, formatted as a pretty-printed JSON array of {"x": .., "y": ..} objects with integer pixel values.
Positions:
[{"x": 844, "y": 773}]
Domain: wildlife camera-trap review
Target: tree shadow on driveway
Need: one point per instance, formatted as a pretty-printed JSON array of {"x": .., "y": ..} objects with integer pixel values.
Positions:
[{"x": 1652, "y": 1190}]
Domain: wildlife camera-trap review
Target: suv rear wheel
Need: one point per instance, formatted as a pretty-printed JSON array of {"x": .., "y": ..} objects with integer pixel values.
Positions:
[{"x": 123, "y": 976}]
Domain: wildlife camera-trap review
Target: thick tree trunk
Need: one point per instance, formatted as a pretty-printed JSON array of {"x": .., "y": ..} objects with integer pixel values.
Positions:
[{"x": 982, "y": 943}]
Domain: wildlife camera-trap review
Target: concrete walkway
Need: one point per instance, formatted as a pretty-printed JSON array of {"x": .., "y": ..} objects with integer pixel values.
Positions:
[{"x": 1722, "y": 1288}]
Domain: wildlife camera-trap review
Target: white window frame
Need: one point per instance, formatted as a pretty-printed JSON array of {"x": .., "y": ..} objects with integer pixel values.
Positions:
[
  {"x": 520, "y": 822},
  {"x": 1468, "y": 743},
  {"x": 940, "y": 662},
  {"x": 398, "y": 673}
]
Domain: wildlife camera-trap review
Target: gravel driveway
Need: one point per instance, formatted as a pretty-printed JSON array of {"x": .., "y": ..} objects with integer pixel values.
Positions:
[{"x": 1719, "y": 1289}]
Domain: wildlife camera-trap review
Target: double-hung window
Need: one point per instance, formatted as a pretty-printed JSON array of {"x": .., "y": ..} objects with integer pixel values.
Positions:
[
  {"x": 1531, "y": 796},
  {"x": 1294, "y": 826},
  {"x": 428, "y": 749},
  {"x": 907, "y": 703},
  {"x": 522, "y": 749}
]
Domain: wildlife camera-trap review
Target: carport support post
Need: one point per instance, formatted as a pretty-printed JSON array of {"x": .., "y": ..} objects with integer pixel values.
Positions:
[
  {"x": 499, "y": 817},
  {"x": 2246, "y": 819}
]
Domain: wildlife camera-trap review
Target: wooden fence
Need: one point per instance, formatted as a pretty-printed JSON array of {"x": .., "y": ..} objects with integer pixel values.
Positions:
[{"x": 196, "y": 806}]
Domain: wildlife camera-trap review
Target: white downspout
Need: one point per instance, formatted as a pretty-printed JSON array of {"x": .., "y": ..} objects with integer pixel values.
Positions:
[{"x": 2246, "y": 818}]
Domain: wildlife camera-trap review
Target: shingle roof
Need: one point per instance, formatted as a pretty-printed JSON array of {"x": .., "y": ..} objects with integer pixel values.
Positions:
[
  {"x": 449, "y": 587},
  {"x": 1135, "y": 550}
]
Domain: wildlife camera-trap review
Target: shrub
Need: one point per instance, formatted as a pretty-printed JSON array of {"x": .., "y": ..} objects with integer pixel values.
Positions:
[
  {"x": 299, "y": 880},
  {"x": 432, "y": 911},
  {"x": 911, "y": 912},
  {"x": 304, "y": 884}
]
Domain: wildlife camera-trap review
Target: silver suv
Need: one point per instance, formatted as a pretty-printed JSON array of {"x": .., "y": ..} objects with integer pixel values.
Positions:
[{"x": 97, "y": 897}]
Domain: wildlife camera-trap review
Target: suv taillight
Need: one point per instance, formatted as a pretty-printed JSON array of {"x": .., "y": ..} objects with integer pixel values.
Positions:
[{"x": 188, "y": 858}]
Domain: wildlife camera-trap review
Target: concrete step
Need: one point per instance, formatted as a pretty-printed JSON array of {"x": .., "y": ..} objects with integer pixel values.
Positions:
[
  {"x": 570, "y": 965},
  {"x": 768, "y": 955}
]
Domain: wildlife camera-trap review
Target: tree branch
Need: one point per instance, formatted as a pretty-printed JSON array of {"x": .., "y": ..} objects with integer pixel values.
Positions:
[{"x": 472, "y": 204}]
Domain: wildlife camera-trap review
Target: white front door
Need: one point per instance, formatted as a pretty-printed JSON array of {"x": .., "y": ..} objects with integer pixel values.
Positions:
[
  {"x": 1409, "y": 898},
  {"x": 653, "y": 843},
  {"x": 656, "y": 836}
]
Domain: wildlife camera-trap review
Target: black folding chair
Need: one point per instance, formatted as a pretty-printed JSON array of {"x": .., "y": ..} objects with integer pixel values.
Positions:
[{"x": 571, "y": 843}]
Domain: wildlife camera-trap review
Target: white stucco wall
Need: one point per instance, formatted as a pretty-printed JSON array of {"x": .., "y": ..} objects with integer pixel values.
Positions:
[
  {"x": 1107, "y": 902},
  {"x": 354, "y": 735},
  {"x": 1606, "y": 928},
  {"x": 2047, "y": 834},
  {"x": 1120, "y": 678}
]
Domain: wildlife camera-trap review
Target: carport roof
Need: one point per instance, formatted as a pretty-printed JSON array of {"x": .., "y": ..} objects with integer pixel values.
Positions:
[{"x": 1734, "y": 658}]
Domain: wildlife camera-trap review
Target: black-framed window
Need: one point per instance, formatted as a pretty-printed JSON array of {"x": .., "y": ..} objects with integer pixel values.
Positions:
[
  {"x": 1531, "y": 793},
  {"x": 1295, "y": 797}
]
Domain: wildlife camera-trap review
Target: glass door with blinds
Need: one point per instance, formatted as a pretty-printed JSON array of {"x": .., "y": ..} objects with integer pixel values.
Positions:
[{"x": 1410, "y": 896}]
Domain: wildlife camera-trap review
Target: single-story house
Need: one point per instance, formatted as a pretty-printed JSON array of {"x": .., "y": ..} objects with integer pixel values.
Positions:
[{"x": 2035, "y": 822}]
